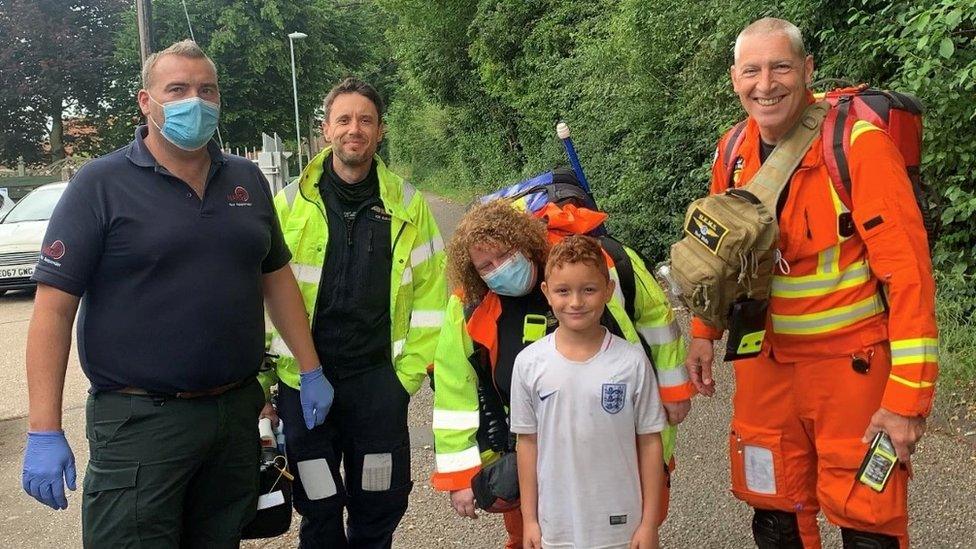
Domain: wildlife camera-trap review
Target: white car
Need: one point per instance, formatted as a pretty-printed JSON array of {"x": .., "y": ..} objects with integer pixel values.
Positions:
[
  {"x": 5, "y": 202},
  {"x": 22, "y": 235}
]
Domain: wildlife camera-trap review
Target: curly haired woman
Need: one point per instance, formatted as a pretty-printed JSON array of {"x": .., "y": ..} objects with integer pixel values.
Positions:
[{"x": 495, "y": 260}]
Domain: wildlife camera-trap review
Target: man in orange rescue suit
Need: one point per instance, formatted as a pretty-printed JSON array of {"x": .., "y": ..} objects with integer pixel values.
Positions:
[{"x": 851, "y": 343}]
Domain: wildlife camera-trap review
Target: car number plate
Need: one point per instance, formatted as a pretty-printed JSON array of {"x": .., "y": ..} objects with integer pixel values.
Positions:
[{"x": 17, "y": 271}]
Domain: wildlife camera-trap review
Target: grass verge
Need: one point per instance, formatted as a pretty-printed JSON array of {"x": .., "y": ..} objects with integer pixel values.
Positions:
[
  {"x": 439, "y": 183},
  {"x": 956, "y": 390},
  {"x": 957, "y": 333}
]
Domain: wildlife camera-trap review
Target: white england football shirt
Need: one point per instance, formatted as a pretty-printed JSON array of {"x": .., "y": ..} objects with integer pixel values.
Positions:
[{"x": 586, "y": 416}]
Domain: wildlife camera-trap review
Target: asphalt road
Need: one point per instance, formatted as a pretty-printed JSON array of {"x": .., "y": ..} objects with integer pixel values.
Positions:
[{"x": 703, "y": 513}]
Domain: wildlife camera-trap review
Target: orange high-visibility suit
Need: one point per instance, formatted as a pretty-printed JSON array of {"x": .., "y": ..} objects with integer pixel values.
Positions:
[{"x": 850, "y": 283}]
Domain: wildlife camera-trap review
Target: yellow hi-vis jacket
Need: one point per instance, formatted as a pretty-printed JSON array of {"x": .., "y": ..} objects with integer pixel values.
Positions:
[{"x": 418, "y": 289}]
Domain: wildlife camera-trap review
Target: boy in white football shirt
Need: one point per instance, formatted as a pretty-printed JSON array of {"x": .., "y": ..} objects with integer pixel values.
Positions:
[{"x": 586, "y": 408}]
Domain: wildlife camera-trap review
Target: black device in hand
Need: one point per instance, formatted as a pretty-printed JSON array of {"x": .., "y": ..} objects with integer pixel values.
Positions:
[{"x": 747, "y": 328}]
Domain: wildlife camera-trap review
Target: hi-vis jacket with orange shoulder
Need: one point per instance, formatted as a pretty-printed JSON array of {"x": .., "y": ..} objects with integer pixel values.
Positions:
[
  {"x": 456, "y": 419},
  {"x": 849, "y": 278},
  {"x": 418, "y": 290}
]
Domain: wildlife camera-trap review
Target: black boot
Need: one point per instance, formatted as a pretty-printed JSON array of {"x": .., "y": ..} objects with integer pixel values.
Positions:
[
  {"x": 855, "y": 539},
  {"x": 776, "y": 530}
]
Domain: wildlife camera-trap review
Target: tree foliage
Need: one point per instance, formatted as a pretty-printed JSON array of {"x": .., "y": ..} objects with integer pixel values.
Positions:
[
  {"x": 645, "y": 88},
  {"x": 249, "y": 44},
  {"x": 53, "y": 56},
  {"x": 476, "y": 86}
]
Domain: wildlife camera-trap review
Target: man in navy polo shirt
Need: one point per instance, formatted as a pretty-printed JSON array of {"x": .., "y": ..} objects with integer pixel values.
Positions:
[{"x": 172, "y": 248}]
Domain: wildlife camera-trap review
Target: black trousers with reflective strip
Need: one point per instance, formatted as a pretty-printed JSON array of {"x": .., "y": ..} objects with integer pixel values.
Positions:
[{"x": 365, "y": 431}]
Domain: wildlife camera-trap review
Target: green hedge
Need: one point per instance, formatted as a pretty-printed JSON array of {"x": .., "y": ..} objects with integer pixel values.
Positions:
[
  {"x": 645, "y": 88},
  {"x": 18, "y": 187}
]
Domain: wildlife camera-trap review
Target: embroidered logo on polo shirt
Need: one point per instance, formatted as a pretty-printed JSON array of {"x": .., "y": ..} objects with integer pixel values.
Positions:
[
  {"x": 240, "y": 197},
  {"x": 54, "y": 250}
]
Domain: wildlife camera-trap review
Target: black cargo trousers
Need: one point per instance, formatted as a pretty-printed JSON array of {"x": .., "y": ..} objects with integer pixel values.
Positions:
[
  {"x": 168, "y": 472},
  {"x": 366, "y": 430}
]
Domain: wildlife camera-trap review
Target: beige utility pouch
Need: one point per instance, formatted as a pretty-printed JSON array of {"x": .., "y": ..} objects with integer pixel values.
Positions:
[
  {"x": 727, "y": 252},
  {"x": 727, "y": 240}
]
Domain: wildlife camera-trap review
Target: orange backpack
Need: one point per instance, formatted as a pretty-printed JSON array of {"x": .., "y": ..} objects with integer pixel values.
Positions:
[{"x": 898, "y": 114}]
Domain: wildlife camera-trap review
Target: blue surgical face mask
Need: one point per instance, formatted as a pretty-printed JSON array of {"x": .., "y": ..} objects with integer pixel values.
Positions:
[
  {"x": 189, "y": 123},
  {"x": 514, "y": 277}
]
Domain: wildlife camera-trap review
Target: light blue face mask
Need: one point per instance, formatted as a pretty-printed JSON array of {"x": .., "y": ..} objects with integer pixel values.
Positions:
[
  {"x": 189, "y": 123},
  {"x": 514, "y": 277}
]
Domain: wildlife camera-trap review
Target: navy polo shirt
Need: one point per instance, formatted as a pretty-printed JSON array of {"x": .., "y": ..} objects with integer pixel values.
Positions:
[{"x": 171, "y": 285}]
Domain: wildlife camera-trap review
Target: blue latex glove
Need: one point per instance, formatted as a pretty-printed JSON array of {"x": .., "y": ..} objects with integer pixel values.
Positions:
[
  {"x": 48, "y": 465},
  {"x": 316, "y": 393}
]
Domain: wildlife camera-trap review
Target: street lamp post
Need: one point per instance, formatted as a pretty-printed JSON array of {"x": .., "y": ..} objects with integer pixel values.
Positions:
[{"x": 294, "y": 85}]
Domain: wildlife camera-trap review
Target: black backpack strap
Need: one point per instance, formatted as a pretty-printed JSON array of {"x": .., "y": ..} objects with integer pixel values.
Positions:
[
  {"x": 625, "y": 272},
  {"x": 628, "y": 284}
]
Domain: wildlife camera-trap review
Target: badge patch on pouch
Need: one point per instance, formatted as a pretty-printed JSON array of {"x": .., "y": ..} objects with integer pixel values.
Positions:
[
  {"x": 316, "y": 478},
  {"x": 706, "y": 230},
  {"x": 616, "y": 520},
  {"x": 377, "y": 472},
  {"x": 760, "y": 475}
]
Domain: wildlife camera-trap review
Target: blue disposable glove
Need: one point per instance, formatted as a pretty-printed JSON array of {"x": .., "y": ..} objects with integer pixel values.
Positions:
[
  {"x": 316, "y": 393},
  {"x": 48, "y": 465}
]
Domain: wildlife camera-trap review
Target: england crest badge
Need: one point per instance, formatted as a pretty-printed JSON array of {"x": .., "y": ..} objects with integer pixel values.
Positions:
[{"x": 614, "y": 395}]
